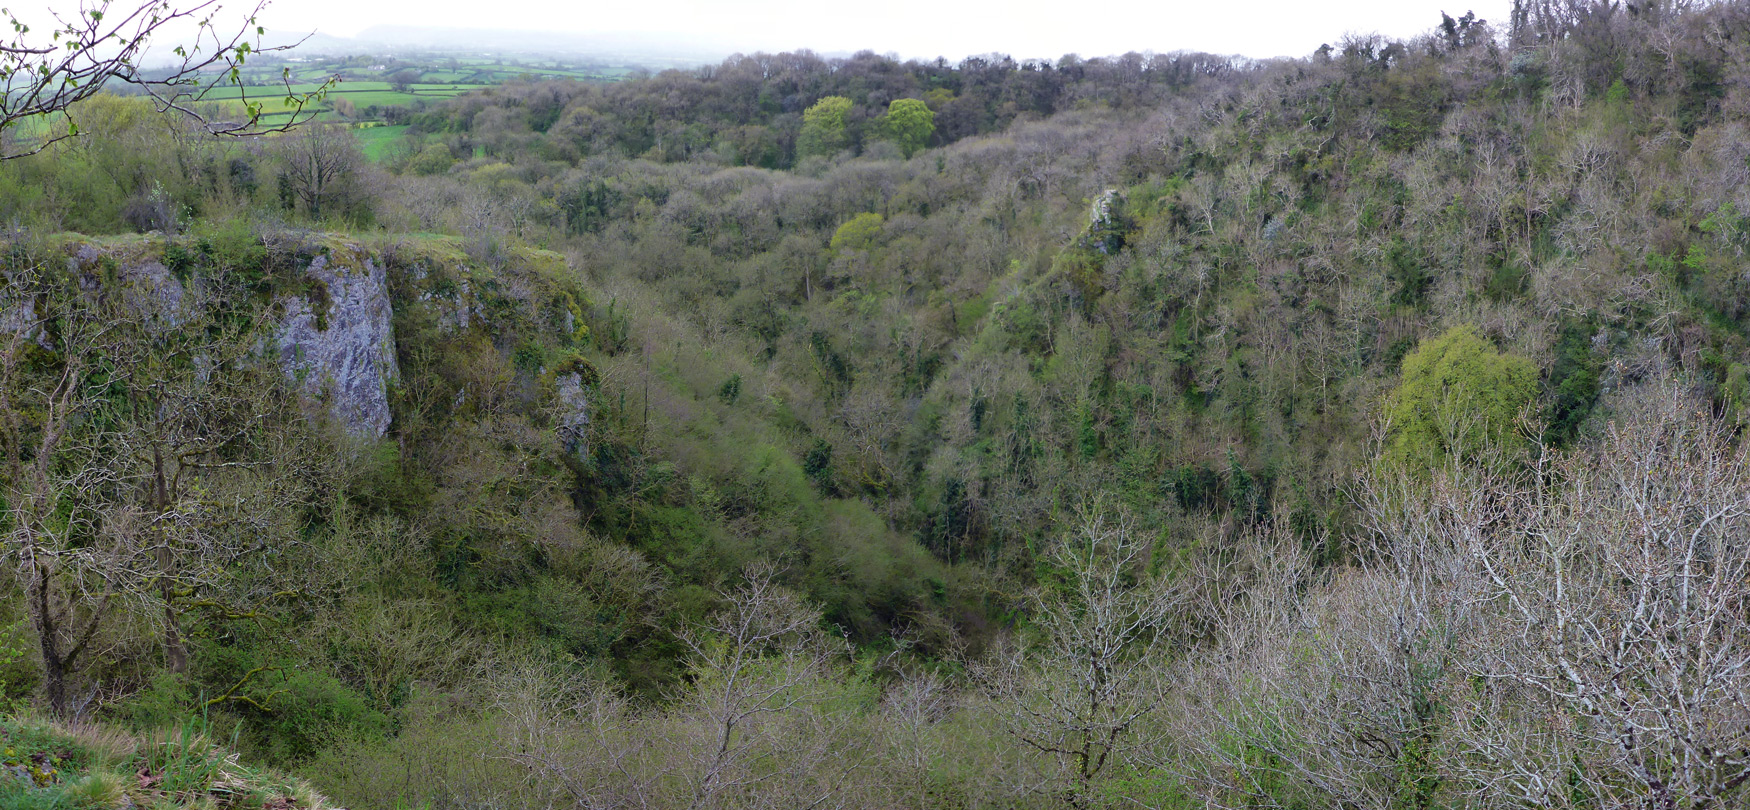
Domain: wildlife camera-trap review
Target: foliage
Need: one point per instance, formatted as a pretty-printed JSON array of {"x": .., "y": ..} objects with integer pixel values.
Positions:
[
  {"x": 308, "y": 711},
  {"x": 858, "y": 233},
  {"x": 824, "y": 128},
  {"x": 654, "y": 335},
  {"x": 1459, "y": 399},
  {"x": 910, "y": 123}
]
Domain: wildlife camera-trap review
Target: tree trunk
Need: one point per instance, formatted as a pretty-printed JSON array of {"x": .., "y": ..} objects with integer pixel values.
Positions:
[
  {"x": 54, "y": 667},
  {"x": 175, "y": 650},
  {"x": 54, "y": 680}
]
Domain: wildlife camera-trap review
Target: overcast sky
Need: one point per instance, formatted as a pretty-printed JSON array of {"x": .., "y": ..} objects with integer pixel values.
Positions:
[{"x": 911, "y": 28}]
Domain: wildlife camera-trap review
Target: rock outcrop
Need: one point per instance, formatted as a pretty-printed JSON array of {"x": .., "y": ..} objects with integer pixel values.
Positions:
[
  {"x": 573, "y": 412},
  {"x": 1105, "y": 233},
  {"x": 147, "y": 286},
  {"x": 331, "y": 305},
  {"x": 16, "y": 318},
  {"x": 339, "y": 342}
]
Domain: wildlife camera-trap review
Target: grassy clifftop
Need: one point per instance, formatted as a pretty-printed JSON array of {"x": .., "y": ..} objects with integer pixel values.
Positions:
[{"x": 46, "y": 764}]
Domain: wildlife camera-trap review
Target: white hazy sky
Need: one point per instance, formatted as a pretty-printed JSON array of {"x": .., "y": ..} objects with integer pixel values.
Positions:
[{"x": 911, "y": 28}]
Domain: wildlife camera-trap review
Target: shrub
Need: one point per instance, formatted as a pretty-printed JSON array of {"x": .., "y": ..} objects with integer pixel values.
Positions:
[{"x": 311, "y": 711}]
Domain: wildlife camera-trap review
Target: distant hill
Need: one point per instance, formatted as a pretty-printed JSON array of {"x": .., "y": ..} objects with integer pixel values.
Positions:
[{"x": 644, "y": 49}]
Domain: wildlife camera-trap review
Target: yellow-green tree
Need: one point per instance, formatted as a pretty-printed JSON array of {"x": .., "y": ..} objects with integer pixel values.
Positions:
[
  {"x": 1459, "y": 397},
  {"x": 910, "y": 123},
  {"x": 858, "y": 233},
  {"x": 824, "y": 127}
]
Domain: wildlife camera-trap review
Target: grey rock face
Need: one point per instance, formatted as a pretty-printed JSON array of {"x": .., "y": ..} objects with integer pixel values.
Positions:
[
  {"x": 147, "y": 287},
  {"x": 16, "y": 318},
  {"x": 152, "y": 291},
  {"x": 573, "y": 412},
  {"x": 448, "y": 294},
  {"x": 1100, "y": 212},
  {"x": 1101, "y": 228},
  {"x": 343, "y": 354},
  {"x": 455, "y": 311}
]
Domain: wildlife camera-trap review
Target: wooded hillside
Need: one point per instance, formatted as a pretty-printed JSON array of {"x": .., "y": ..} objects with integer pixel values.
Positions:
[{"x": 1361, "y": 430}]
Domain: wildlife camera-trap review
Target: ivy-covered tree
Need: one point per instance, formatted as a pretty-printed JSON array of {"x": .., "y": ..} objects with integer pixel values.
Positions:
[{"x": 858, "y": 233}]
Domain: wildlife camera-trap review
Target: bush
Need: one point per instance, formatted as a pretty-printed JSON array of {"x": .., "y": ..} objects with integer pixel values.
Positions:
[
  {"x": 312, "y": 711},
  {"x": 166, "y": 702}
]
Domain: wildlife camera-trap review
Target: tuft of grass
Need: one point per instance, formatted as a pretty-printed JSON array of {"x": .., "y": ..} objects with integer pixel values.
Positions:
[
  {"x": 107, "y": 746},
  {"x": 104, "y": 789}
]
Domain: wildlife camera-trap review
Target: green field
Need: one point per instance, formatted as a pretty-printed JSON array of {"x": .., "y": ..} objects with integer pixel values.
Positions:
[
  {"x": 362, "y": 94},
  {"x": 390, "y": 98},
  {"x": 356, "y": 86},
  {"x": 362, "y": 81},
  {"x": 375, "y": 141}
]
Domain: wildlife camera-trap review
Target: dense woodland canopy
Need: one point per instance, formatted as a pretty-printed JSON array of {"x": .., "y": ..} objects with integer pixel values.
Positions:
[{"x": 1361, "y": 430}]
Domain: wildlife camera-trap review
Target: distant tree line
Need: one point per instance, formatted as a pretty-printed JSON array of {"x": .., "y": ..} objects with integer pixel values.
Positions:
[{"x": 751, "y": 110}]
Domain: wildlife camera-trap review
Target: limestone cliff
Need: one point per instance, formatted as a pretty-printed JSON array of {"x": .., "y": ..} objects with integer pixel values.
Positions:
[
  {"x": 341, "y": 347},
  {"x": 330, "y": 306}
]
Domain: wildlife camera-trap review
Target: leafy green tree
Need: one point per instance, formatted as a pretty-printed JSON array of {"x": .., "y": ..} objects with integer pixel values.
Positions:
[
  {"x": 910, "y": 123},
  {"x": 435, "y": 158},
  {"x": 824, "y": 128},
  {"x": 858, "y": 233},
  {"x": 1459, "y": 397}
]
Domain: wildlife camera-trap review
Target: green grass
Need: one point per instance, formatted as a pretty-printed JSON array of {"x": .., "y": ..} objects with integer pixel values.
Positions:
[
  {"x": 361, "y": 94},
  {"x": 36, "y": 126},
  {"x": 443, "y": 78},
  {"x": 264, "y": 89},
  {"x": 381, "y": 98}
]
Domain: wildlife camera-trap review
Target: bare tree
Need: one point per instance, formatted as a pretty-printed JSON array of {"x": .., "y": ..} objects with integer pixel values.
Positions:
[
  {"x": 191, "y": 431},
  {"x": 402, "y": 80},
  {"x": 1080, "y": 692},
  {"x": 1620, "y": 580},
  {"x": 69, "y": 583},
  {"x": 1312, "y": 689},
  {"x": 913, "y": 708},
  {"x": 126, "y": 419},
  {"x": 322, "y": 164},
  {"x": 749, "y": 731},
  {"x": 1567, "y": 633},
  {"x": 98, "y": 44},
  {"x": 579, "y": 740},
  {"x": 758, "y": 669}
]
